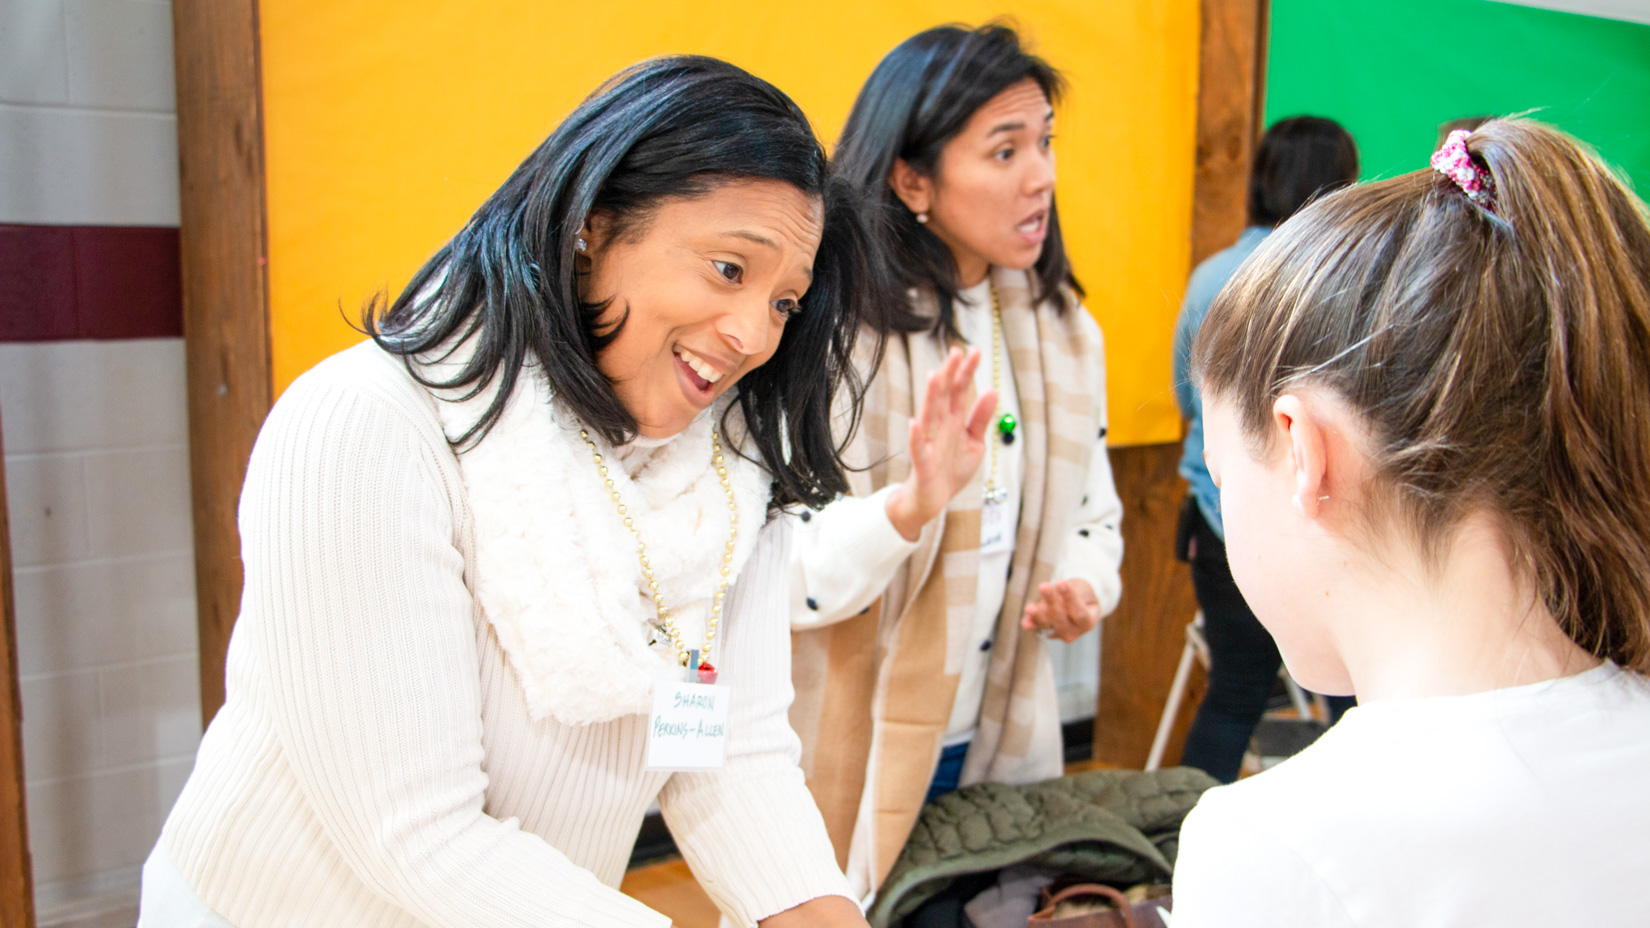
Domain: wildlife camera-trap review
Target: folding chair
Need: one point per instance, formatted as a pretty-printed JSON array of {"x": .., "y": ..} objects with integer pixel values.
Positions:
[{"x": 1197, "y": 648}]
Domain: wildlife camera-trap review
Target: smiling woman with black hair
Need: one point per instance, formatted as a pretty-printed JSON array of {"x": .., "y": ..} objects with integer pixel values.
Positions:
[
  {"x": 975, "y": 522},
  {"x": 480, "y": 545}
]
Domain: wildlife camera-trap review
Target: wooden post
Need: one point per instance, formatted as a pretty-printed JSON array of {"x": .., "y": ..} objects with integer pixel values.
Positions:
[
  {"x": 1144, "y": 638},
  {"x": 225, "y": 294},
  {"x": 16, "y": 872},
  {"x": 1229, "y": 109}
]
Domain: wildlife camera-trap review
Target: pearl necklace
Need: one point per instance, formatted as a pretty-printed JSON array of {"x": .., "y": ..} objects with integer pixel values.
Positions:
[{"x": 666, "y": 624}]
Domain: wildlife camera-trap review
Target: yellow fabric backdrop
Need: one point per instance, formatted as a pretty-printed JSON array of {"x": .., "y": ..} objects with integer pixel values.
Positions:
[{"x": 387, "y": 123}]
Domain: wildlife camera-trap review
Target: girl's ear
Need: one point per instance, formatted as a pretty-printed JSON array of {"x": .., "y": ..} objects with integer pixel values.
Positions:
[
  {"x": 1301, "y": 429},
  {"x": 913, "y": 189}
]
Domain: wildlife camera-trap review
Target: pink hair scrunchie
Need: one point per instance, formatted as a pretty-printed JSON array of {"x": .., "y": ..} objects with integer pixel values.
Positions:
[{"x": 1456, "y": 163}]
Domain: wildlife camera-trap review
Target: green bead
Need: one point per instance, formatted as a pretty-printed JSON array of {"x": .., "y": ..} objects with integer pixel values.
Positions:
[{"x": 1007, "y": 424}]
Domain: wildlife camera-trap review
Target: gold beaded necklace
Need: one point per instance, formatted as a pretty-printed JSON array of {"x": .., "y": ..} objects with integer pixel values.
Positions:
[
  {"x": 666, "y": 624},
  {"x": 994, "y": 491}
]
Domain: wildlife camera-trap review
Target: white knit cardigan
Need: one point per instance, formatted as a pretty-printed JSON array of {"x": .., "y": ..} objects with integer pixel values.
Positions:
[{"x": 378, "y": 761}]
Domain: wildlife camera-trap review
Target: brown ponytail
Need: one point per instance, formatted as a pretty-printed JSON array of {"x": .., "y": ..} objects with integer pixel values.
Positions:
[{"x": 1501, "y": 360}]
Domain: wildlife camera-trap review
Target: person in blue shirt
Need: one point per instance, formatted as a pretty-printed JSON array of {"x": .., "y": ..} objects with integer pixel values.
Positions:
[{"x": 1298, "y": 159}]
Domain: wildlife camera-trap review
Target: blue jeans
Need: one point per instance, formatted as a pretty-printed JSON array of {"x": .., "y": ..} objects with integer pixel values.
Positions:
[{"x": 948, "y": 772}]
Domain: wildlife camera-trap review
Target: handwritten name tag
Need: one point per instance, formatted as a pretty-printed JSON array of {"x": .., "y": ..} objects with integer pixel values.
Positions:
[
  {"x": 688, "y": 727},
  {"x": 996, "y": 528}
]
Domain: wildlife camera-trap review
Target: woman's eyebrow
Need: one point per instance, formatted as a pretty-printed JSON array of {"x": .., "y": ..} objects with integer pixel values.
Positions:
[
  {"x": 1048, "y": 119},
  {"x": 765, "y": 242},
  {"x": 756, "y": 237}
]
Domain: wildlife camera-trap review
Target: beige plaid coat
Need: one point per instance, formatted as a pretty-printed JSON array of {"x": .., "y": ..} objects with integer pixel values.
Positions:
[{"x": 873, "y": 693}]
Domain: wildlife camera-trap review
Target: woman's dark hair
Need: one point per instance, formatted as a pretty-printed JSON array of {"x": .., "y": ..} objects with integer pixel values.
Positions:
[
  {"x": 1498, "y": 355},
  {"x": 919, "y": 98},
  {"x": 1299, "y": 158},
  {"x": 675, "y": 127}
]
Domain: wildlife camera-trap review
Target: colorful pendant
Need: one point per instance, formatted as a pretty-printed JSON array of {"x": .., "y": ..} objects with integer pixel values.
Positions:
[
  {"x": 1006, "y": 424},
  {"x": 698, "y": 668}
]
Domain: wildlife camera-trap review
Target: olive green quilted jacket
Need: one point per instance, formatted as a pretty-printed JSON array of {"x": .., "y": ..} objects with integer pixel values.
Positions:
[{"x": 1114, "y": 826}]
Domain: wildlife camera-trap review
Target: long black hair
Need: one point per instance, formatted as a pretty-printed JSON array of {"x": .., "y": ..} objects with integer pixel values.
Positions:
[
  {"x": 667, "y": 128},
  {"x": 919, "y": 98}
]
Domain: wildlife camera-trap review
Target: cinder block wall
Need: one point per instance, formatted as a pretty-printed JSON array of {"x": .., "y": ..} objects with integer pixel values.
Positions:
[{"x": 95, "y": 429}]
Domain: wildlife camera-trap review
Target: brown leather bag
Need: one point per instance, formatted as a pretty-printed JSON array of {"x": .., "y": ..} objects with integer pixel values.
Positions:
[{"x": 1121, "y": 915}]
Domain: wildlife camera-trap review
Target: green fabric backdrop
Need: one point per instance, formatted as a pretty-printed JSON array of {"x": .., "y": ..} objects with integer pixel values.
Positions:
[{"x": 1392, "y": 70}]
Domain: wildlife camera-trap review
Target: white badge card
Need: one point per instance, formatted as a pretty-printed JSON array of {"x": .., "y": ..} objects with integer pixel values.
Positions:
[
  {"x": 996, "y": 528},
  {"x": 688, "y": 727}
]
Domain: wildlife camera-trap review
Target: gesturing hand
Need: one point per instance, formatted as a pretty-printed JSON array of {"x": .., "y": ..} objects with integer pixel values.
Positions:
[
  {"x": 946, "y": 444},
  {"x": 1066, "y": 609}
]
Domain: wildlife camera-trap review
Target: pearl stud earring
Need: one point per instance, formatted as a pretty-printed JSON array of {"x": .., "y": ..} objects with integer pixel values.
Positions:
[{"x": 922, "y": 218}]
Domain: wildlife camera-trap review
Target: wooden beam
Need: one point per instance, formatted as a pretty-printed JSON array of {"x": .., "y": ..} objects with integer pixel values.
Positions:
[
  {"x": 1142, "y": 641},
  {"x": 225, "y": 294},
  {"x": 16, "y": 871},
  {"x": 1263, "y": 36},
  {"x": 1229, "y": 108}
]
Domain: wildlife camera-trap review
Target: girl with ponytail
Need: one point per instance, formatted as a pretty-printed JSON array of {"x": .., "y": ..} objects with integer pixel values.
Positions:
[{"x": 1427, "y": 405}]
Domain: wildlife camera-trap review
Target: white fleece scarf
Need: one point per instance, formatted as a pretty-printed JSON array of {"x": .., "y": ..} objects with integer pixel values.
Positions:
[{"x": 556, "y": 570}]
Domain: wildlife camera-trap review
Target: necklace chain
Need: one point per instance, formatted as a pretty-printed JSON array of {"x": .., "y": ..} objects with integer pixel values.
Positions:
[
  {"x": 995, "y": 492},
  {"x": 666, "y": 623}
]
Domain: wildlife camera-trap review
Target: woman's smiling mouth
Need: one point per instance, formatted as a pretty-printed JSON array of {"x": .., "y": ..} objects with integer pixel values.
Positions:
[{"x": 701, "y": 373}]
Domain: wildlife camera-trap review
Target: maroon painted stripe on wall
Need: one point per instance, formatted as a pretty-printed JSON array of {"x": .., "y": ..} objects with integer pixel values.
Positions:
[{"x": 89, "y": 282}]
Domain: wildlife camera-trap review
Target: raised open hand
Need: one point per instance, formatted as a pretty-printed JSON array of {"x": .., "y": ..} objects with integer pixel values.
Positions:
[{"x": 946, "y": 445}]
